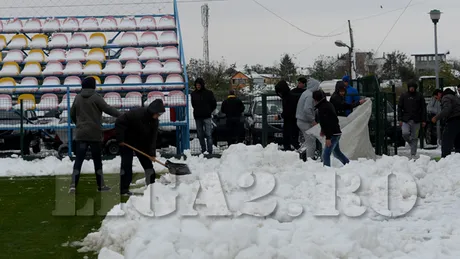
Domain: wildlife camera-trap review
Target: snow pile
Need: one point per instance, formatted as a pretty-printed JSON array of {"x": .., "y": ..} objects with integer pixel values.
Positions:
[
  {"x": 257, "y": 90},
  {"x": 290, "y": 187}
]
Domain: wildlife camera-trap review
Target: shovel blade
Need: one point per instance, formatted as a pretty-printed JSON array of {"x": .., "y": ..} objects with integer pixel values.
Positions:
[{"x": 177, "y": 169}]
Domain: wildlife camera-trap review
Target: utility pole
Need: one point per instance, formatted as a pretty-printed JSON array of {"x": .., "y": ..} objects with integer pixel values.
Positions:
[
  {"x": 205, "y": 23},
  {"x": 352, "y": 50}
]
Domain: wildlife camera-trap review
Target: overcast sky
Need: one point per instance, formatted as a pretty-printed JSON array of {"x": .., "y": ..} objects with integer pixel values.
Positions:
[{"x": 242, "y": 31}]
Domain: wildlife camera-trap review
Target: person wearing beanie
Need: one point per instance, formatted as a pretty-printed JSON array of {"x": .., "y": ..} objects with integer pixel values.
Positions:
[
  {"x": 411, "y": 113},
  {"x": 138, "y": 128},
  {"x": 204, "y": 103},
  {"x": 330, "y": 128},
  {"x": 86, "y": 113},
  {"x": 352, "y": 97},
  {"x": 233, "y": 109},
  {"x": 338, "y": 100}
]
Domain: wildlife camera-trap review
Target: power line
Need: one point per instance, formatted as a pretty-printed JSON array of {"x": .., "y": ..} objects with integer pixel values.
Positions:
[
  {"x": 286, "y": 21},
  {"x": 387, "y": 12},
  {"x": 314, "y": 43},
  {"x": 394, "y": 24}
]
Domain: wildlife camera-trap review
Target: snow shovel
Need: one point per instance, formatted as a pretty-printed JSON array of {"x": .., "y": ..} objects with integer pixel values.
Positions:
[{"x": 174, "y": 168}]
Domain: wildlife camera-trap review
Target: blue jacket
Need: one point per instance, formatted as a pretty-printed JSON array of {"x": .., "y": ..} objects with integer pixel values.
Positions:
[{"x": 351, "y": 99}]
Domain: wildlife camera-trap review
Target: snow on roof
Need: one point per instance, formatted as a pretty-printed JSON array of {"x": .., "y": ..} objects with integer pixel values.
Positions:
[
  {"x": 273, "y": 76},
  {"x": 428, "y": 54}
]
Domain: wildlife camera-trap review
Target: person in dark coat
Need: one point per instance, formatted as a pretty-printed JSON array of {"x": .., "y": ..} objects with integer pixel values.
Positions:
[
  {"x": 138, "y": 128},
  {"x": 86, "y": 113},
  {"x": 339, "y": 102},
  {"x": 411, "y": 113},
  {"x": 450, "y": 112},
  {"x": 233, "y": 109},
  {"x": 330, "y": 128},
  {"x": 204, "y": 103}
]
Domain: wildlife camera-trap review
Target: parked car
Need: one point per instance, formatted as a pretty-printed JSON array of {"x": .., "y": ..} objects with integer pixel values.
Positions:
[
  {"x": 254, "y": 120},
  {"x": 10, "y": 139},
  {"x": 220, "y": 130}
]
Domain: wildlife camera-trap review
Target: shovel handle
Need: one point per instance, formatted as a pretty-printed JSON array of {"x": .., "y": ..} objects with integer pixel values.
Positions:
[{"x": 144, "y": 154}]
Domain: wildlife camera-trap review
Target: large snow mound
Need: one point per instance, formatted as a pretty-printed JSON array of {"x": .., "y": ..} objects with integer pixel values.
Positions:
[{"x": 430, "y": 230}]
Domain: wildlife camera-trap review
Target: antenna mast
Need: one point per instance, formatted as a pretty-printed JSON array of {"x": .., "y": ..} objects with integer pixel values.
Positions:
[{"x": 205, "y": 22}]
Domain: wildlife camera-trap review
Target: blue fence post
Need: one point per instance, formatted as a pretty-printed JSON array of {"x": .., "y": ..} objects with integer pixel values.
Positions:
[{"x": 69, "y": 125}]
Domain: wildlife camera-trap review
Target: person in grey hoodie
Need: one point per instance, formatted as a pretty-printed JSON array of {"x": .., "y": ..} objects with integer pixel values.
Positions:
[
  {"x": 86, "y": 113},
  {"x": 306, "y": 115}
]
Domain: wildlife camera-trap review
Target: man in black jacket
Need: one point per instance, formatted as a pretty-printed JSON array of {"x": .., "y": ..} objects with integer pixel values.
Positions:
[
  {"x": 338, "y": 100},
  {"x": 138, "y": 128},
  {"x": 233, "y": 109},
  {"x": 86, "y": 113},
  {"x": 203, "y": 103},
  {"x": 330, "y": 128},
  {"x": 411, "y": 112},
  {"x": 450, "y": 111}
]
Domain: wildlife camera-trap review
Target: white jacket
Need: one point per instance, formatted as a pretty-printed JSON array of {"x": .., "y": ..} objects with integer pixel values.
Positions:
[{"x": 306, "y": 106}]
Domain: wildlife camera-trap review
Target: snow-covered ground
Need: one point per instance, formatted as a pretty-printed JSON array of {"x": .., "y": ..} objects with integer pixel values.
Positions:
[{"x": 430, "y": 230}]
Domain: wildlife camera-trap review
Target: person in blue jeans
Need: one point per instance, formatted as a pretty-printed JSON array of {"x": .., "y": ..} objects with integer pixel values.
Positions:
[
  {"x": 203, "y": 103},
  {"x": 352, "y": 97},
  {"x": 330, "y": 128}
]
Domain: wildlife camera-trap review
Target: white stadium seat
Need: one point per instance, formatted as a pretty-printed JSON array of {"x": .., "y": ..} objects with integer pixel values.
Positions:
[
  {"x": 58, "y": 40},
  {"x": 51, "y": 25},
  {"x": 48, "y": 102},
  {"x": 57, "y": 55},
  {"x": 176, "y": 98},
  {"x": 128, "y": 54},
  {"x": 167, "y": 37},
  {"x": 166, "y": 22},
  {"x": 149, "y": 53},
  {"x": 14, "y": 56},
  {"x": 152, "y": 96},
  {"x": 89, "y": 24},
  {"x": 112, "y": 83},
  {"x": 70, "y": 24},
  {"x": 63, "y": 104},
  {"x": 147, "y": 23},
  {"x": 153, "y": 67},
  {"x": 113, "y": 67},
  {"x": 128, "y": 39},
  {"x": 133, "y": 67},
  {"x": 132, "y": 82},
  {"x": 113, "y": 99},
  {"x": 6, "y": 103},
  {"x": 32, "y": 25},
  {"x": 132, "y": 100},
  {"x": 109, "y": 24},
  {"x": 28, "y": 81},
  {"x": 75, "y": 81},
  {"x": 10, "y": 69},
  {"x": 169, "y": 53},
  {"x": 172, "y": 67},
  {"x": 13, "y": 25},
  {"x": 78, "y": 40},
  {"x": 154, "y": 79},
  {"x": 175, "y": 78},
  {"x": 76, "y": 55},
  {"x": 127, "y": 23},
  {"x": 32, "y": 68},
  {"x": 148, "y": 38},
  {"x": 73, "y": 68},
  {"x": 52, "y": 84}
]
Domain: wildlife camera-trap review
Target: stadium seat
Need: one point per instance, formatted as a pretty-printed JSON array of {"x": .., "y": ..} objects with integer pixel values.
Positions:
[
  {"x": 109, "y": 24},
  {"x": 13, "y": 25},
  {"x": 51, "y": 84},
  {"x": 39, "y": 41},
  {"x": 89, "y": 24},
  {"x": 176, "y": 98},
  {"x": 75, "y": 81},
  {"x": 92, "y": 67},
  {"x": 32, "y": 25},
  {"x": 57, "y": 55},
  {"x": 113, "y": 99},
  {"x": 152, "y": 67},
  {"x": 128, "y": 54},
  {"x": 175, "y": 78},
  {"x": 10, "y": 69},
  {"x": 51, "y": 25},
  {"x": 14, "y": 55},
  {"x": 152, "y": 96},
  {"x": 96, "y": 54},
  {"x": 154, "y": 79},
  {"x": 132, "y": 100},
  {"x": 6, "y": 103},
  {"x": 167, "y": 37},
  {"x": 113, "y": 67},
  {"x": 70, "y": 24},
  {"x": 166, "y": 23},
  {"x": 78, "y": 40},
  {"x": 148, "y": 38},
  {"x": 2, "y": 42},
  {"x": 73, "y": 68},
  {"x": 28, "y": 81},
  {"x": 127, "y": 24},
  {"x": 98, "y": 80},
  {"x": 149, "y": 53},
  {"x": 133, "y": 67},
  {"x": 169, "y": 53},
  {"x": 8, "y": 82},
  {"x": 18, "y": 41},
  {"x": 128, "y": 39},
  {"x": 28, "y": 102},
  {"x": 48, "y": 102},
  {"x": 147, "y": 23},
  {"x": 35, "y": 55},
  {"x": 58, "y": 40},
  {"x": 1, "y": 26},
  {"x": 76, "y": 55},
  {"x": 112, "y": 83},
  {"x": 97, "y": 40},
  {"x": 32, "y": 68},
  {"x": 132, "y": 82},
  {"x": 53, "y": 68},
  {"x": 172, "y": 67},
  {"x": 63, "y": 104}
]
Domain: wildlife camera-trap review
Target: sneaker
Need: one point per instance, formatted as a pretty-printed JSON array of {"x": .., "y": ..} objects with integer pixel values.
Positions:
[
  {"x": 103, "y": 189},
  {"x": 72, "y": 189},
  {"x": 127, "y": 193}
]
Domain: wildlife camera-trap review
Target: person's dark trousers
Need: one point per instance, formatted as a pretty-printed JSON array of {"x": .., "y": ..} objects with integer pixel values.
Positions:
[
  {"x": 449, "y": 136},
  {"x": 234, "y": 129},
  {"x": 96, "y": 154},
  {"x": 290, "y": 134},
  {"x": 126, "y": 173}
]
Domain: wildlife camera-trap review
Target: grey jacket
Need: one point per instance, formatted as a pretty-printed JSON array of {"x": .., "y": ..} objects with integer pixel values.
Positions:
[
  {"x": 306, "y": 107},
  {"x": 434, "y": 106},
  {"x": 450, "y": 107},
  {"x": 86, "y": 113}
]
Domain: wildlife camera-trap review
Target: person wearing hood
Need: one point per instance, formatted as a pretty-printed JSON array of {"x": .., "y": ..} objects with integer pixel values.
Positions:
[
  {"x": 306, "y": 117},
  {"x": 138, "y": 128},
  {"x": 450, "y": 112},
  {"x": 290, "y": 99},
  {"x": 352, "y": 97},
  {"x": 86, "y": 113},
  {"x": 432, "y": 109},
  {"x": 339, "y": 102},
  {"x": 204, "y": 103},
  {"x": 233, "y": 109},
  {"x": 411, "y": 113}
]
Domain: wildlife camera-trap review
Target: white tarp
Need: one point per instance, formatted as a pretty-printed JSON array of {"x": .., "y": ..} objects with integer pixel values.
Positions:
[{"x": 355, "y": 142}]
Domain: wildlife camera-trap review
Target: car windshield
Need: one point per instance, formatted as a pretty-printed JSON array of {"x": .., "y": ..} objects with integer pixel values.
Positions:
[
  {"x": 8, "y": 115},
  {"x": 273, "y": 107},
  {"x": 246, "y": 107}
]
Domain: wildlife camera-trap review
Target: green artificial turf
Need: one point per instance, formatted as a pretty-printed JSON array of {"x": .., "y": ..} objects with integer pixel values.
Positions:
[{"x": 37, "y": 219}]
